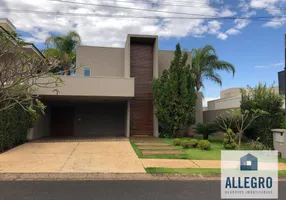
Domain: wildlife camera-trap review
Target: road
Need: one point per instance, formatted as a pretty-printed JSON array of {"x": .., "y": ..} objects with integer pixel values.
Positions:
[{"x": 117, "y": 190}]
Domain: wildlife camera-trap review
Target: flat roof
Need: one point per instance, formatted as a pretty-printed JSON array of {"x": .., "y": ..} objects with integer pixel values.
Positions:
[{"x": 8, "y": 22}]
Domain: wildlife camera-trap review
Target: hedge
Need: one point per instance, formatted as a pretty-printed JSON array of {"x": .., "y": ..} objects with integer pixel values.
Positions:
[{"x": 14, "y": 124}]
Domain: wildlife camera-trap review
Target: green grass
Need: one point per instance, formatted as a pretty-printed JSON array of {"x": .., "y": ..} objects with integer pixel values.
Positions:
[
  {"x": 183, "y": 171},
  {"x": 192, "y": 171},
  {"x": 194, "y": 153}
]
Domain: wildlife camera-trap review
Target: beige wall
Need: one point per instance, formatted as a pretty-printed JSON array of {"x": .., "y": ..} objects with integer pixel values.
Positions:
[
  {"x": 91, "y": 86},
  {"x": 103, "y": 61},
  {"x": 233, "y": 102},
  {"x": 199, "y": 108},
  {"x": 231, "y": 92},
  {"x": 164, "y": 60},
  {"x": 211, "y": 115}
]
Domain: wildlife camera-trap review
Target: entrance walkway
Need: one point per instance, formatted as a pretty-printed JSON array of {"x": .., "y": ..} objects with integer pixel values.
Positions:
[{"x": 105, "y": 156}]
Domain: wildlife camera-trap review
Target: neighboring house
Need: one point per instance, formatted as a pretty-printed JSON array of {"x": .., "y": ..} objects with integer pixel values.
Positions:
[
  {"x": 7, "y": 27},
  {"x": 229, "y": 99},
  {"x": 110, "y": 94}
]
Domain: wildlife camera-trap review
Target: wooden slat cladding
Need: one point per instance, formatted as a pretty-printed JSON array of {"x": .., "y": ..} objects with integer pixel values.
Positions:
[{"x": 141, "y": 108}]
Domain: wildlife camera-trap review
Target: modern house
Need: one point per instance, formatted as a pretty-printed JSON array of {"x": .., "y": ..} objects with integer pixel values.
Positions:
[{"x": 110, "y": 94}]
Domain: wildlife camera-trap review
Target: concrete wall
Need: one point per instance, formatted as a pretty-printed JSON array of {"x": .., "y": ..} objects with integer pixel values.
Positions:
[
  {"x": 279, "y": 141},
  {"x": 199, "y": 108},
  {"x": 210, "y": 115},
  {"x": 233, "y": 102},
  {"x": 231, "y": 92},
  {"x": 103, "y": 61},
  {"x": 100, "y": 119},
  {"x": 90, "y": 86},
  {"x": 164, "y": 60},
  {"x": 42, "y": 127}
]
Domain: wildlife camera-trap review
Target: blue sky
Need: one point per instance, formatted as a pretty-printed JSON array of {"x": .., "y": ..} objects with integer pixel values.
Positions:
[{"x": 255, "y": 48}]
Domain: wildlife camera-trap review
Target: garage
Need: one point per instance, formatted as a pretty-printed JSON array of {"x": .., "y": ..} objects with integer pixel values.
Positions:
[{"x": 80, "y": 119}]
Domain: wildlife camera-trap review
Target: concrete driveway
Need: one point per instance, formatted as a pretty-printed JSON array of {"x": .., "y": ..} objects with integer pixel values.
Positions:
[{"x": 96, "y": 156}]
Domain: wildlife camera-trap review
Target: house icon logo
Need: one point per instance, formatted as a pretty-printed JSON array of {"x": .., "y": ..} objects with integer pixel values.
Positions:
[{"x": 248, "y": 163}]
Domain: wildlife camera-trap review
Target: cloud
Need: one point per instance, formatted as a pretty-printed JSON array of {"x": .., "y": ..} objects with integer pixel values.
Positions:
[
  {"x": 111, "y": 31},
  {"x": 232, "y": 31},
  {"x": 222, "y": 36},
  {"x": 280, "y": 64},
  {"x": 205, "y": 100},
  {"x": 275, "y": 22}
]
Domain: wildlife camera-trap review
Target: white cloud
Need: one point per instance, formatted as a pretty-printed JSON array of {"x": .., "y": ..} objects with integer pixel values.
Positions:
[
  {"x": 206, "y": 99},
  {"x": 222, "y": 36},
  {"x": 280, "y": 64},
  {"x": 275, "y": 22},
  {"x": 110, "y": 31},
  {"x": 232, "y": 31}
]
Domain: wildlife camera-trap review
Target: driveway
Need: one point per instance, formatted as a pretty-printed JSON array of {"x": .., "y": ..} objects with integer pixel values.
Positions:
[{"x": 96, "y": 156}]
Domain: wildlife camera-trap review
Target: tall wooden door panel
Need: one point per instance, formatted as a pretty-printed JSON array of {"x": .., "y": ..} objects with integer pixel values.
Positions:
[
  {"x": 62, "y": 120},
  {"x": 141, "y": 108}
]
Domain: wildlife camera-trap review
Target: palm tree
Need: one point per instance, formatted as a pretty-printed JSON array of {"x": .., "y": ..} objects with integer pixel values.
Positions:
[
  {"x": 205, "y": 64},
  {"x": 63, "y": 48}
]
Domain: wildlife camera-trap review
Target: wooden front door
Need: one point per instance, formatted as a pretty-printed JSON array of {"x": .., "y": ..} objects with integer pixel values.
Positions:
[
  {"x": 62, "y": 120},
  {"x": 141, "y": 108}
]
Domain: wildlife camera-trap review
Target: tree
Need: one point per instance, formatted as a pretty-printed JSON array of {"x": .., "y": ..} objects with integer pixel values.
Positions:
[
  {"x": 174, "y": 96},
  {"x": 205, "y": 64},
  {"x": 21, "y": 74},
  {"x": 205, "y": 130},
  {"x": 242, "y": 120},
  {"x": 63, "y": 48},
  {"x": 267, "y": 99}
]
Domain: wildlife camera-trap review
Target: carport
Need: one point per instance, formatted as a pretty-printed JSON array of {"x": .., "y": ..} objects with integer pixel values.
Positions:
[{"x": 82, "y": 117}]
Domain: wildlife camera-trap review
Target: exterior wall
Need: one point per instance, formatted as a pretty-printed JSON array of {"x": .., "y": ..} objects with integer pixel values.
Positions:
[
  {"x": 103, "y": 61},
  {"x": 90, "y": 86},
  {"x": 210, "y": 115},
  {"x": 279, "y": 141},
  {"x": 164, "y": 60},
  {"x": 199, "y": 108},
  {"x": 231, "y": 92},
  {"x": 42, "y": 127},
  {"x": 219, "y": 104},
  {"x": 100, "y": 119}
]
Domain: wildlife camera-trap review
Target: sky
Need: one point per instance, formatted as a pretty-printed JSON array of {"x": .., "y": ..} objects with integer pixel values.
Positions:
[{"x": 255, "y": 46}]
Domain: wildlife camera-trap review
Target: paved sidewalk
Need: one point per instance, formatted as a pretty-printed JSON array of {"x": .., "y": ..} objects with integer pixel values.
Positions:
[{"x": 177, "y": 163}]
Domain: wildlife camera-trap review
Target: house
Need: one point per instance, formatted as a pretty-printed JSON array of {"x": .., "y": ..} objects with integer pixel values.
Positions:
[
  {"x": 110, "y": 93},
  {"x": 229, "y": 99},
  {"x": 7, "y": 27},
  {"x": 248, "y": 163}
]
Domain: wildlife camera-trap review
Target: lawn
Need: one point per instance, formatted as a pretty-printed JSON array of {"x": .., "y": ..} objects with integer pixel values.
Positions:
[
  {"x": 194, "y": 153},
  {"x": 193, "y": 171}
]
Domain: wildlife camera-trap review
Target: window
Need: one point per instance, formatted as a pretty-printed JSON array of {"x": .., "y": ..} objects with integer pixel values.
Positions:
[{"x": 86, "y": 71}]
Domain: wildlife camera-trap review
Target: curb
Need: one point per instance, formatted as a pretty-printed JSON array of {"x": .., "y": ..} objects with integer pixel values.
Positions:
[{"x": 107, "y": 176}]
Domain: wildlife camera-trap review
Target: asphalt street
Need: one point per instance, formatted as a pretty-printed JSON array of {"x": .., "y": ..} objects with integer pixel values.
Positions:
[{"x": 117, "y": 190}]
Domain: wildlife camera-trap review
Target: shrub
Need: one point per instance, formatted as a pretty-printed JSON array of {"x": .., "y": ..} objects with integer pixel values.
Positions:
[
  {"x": 263, "y": 98},
  {"x": 204, "y": 145},
  {"x": 186, "y": 144},
  {"x": 228, "y": 140},
  {"x": 177, "y": 141},
  {"x": 256, "y": 145},
  {"x": 205, "y": 130},
  {"x": 14, "y": 124},
  {"x": 194, "y": 143}
]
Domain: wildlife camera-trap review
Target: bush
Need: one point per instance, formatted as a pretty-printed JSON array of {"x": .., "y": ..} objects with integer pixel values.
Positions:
[
  {"x": 256, "y": 145},
  {"x": 228, "y": 140},
  {"x": 263, "y": 98},
  {"x": 177, "y": 141},
  {"x": 205, "y": 130},
  {"x": 14, "y": 124},
  {"x": 204, "y": 145},
  {"x": 194, "y": 143},
  {"x": 186, "y": 144}
]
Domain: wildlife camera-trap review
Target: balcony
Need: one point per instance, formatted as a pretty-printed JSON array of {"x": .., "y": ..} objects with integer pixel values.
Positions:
[{"x": 90, "y": 87}]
